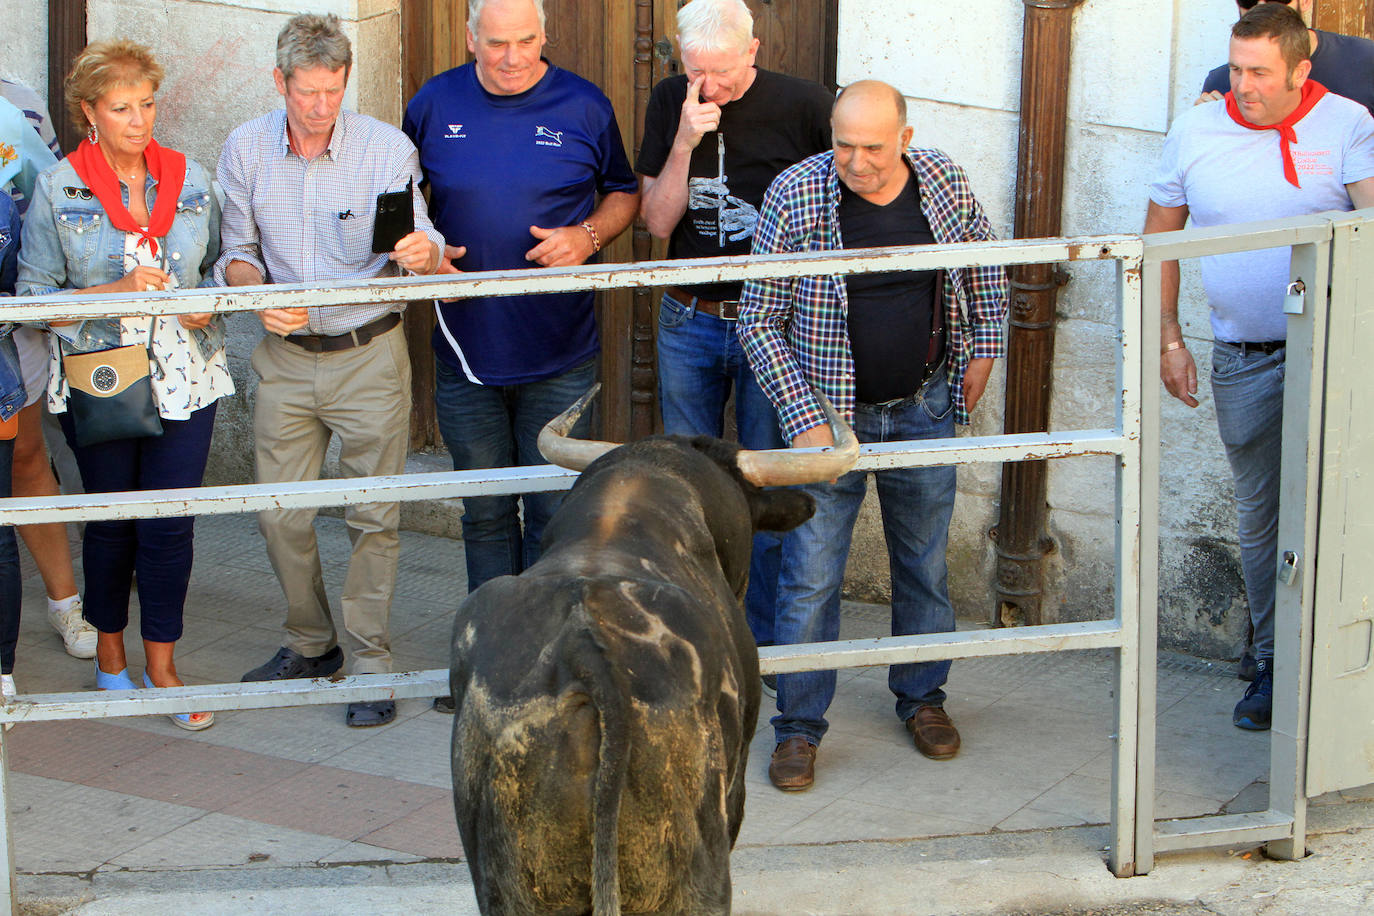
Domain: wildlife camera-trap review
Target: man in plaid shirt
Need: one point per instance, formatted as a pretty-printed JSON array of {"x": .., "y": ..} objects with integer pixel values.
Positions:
[{"x": 904, "y": 356}]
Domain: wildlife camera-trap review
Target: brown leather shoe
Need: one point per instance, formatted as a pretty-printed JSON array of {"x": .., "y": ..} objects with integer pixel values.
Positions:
[
  {"x": 933, "y": 732},
  {"x": 793, "y": 767}
]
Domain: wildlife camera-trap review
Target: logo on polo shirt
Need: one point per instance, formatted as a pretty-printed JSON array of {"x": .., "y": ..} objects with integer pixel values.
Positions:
[
  {"x": 455, "y": 132},
  {"x": 543, "y": 136}
]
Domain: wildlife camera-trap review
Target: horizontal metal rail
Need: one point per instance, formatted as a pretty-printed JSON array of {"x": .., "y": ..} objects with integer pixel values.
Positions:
[
  {"x": 894, "y": 650},
  {"x": 362, "y": 688},
  {"x": 66, "y": 305},
  {"x": 1222, "y": 830},
  {"x": 349, "y": 491},
  {"x": 1228, "y": 239}
]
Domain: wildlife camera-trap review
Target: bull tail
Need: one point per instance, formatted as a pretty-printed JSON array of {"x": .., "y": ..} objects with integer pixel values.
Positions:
[{"x": 607, "y": 689}]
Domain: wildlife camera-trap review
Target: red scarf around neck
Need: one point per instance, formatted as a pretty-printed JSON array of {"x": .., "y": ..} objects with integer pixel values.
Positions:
[
  {"x": 1312, "y": 92},
  {"x": 168, "y": 168}
]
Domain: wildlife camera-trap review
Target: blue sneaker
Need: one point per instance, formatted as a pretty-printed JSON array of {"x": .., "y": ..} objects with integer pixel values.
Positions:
[{"x": 1253, "y": 710}]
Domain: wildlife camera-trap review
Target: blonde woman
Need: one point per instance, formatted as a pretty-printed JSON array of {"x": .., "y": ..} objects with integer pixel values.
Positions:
[{"x": 123, "y": 214}]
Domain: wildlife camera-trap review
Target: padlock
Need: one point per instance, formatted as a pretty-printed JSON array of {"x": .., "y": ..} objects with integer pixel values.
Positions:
[
  {"x": 1288, "y": 572},
  {"x": 1294, "y": 298}
]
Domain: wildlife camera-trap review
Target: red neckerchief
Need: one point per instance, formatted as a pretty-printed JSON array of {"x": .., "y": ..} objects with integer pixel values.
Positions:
[
  {"x": 1312, "y": 92},
  {"x": 168, "y": 168}
]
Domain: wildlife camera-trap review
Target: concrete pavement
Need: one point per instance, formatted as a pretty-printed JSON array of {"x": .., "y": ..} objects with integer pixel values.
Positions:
[{"x": 290, "y": 811}]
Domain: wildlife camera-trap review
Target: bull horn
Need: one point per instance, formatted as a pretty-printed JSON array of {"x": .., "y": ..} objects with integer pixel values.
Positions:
[
  {"x": 782, "y": 469},
  {"x": 573, "y": 454}
]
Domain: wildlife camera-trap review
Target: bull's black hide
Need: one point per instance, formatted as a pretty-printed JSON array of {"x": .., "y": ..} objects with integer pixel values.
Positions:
[{"x": 606, "y": 696}]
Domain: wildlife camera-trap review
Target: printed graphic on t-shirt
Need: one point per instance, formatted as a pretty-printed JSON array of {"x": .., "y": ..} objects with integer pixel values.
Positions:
[
  {"x": 719, "y": 212},
  {"x": 544, "y": 136},
  {"x": 1313, "y": 162}
]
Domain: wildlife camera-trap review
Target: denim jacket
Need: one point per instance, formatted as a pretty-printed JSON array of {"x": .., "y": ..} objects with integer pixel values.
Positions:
[
  {"x": 69, "y": 243},
  {"x": 12, "y": 394}
]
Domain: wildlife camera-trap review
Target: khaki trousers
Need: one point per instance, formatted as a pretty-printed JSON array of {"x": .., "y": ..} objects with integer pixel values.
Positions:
[{"x": 361, "y": 395}]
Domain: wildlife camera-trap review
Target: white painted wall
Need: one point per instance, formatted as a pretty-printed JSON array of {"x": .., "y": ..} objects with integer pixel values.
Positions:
[{"x": 1134, "y": 67}]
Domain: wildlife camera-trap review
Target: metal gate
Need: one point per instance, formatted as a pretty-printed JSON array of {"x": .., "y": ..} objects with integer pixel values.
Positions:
[{"x": 1132, "y": 441}]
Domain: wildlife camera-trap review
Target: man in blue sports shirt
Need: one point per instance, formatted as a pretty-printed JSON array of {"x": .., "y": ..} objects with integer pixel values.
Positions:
[{"x": 526, "y": 167}]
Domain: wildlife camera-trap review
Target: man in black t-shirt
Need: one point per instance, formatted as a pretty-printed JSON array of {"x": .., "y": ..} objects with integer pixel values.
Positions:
[
  {"x": 1343, "y": 64},
  {"x": 714, "y": 138}
]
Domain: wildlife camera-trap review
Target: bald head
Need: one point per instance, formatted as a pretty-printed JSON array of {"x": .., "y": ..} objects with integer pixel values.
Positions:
[
  {"x": 870, "y": 134},
  {"x": 874, "y": 93}
]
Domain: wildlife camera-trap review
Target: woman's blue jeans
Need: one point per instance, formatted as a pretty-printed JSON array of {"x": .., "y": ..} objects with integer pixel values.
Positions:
[{"x": 159, "y": 550}]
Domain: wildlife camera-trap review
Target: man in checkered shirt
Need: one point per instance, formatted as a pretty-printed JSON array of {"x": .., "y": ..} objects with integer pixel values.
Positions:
[{"x": 904, "y": 356}]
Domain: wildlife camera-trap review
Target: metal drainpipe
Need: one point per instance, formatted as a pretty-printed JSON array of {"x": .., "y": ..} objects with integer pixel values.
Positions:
[{"x": 1020, "y": 536}]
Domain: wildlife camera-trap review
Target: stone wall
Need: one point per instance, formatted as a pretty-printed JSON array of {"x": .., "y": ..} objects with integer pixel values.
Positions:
[
  {"x": 1134, "y": 67},
  {"x": 24, "y": 43}
]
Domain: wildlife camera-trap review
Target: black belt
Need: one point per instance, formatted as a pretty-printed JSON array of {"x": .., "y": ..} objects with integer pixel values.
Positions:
[
  {"x": 727, "y": 309},
  {"x": 330, "y": 343},
  {"x": 1267, "y": 347}
]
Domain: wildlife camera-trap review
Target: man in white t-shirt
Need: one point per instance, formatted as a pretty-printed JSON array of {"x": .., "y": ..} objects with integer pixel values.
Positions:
[{"x": 1277, "y": 145}]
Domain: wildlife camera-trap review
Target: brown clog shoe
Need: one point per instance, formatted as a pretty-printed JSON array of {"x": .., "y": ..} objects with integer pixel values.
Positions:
[
  {"x": 793, "y": 767},
  {"x": 934, "y": 733}
]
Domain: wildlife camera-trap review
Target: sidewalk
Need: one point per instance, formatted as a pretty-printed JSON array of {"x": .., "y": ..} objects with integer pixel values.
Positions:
[{"x": 291, "y": 811}]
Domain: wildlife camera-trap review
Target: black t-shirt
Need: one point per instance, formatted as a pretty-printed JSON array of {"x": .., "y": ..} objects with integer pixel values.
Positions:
[
  {"x": 778, "y": 122},
  {"x": 890, "y": 314},
  {"x": 1342, "y": 63}
]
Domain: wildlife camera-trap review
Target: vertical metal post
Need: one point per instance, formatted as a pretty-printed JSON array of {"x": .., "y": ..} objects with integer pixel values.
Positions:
[
  {"x": 9, "y": 897},
  {"x": 1299, "y": 478},
  {"x": 1148, "y": 621},
  {"x": 1129, "y": 549}
]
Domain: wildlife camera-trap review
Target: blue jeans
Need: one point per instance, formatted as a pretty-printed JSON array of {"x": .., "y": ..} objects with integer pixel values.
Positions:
[
  {"x": 699, "y": 360},
  {"x": 1247, "y": 391},
  {"x": 497, "y": 426},
  {"x": 11, "y": 594},
  {"x": 916, "y": 504},
  {"x": 158, "y": 550}
]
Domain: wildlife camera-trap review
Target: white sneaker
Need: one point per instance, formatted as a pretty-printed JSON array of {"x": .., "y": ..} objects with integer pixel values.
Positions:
[
  {"x": 7, "y": 689},
  {"x": 77, "y": 635}
]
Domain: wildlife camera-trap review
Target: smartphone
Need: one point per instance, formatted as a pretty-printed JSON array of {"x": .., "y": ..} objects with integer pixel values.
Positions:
[{"x": 395, "y": 218}]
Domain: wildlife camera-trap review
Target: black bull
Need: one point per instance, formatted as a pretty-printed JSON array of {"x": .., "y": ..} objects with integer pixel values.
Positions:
[{"x": 606, "y": 697}]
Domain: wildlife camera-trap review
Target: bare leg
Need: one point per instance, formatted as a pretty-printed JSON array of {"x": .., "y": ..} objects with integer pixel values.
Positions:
[
  {"x": 161, "y": 670},
  {"x": 109, "y": 652},
  {"x": 33, "y": 477}
]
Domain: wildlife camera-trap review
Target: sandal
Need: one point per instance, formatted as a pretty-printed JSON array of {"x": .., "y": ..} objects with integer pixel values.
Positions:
[
  {"x": 120, "y": 680},
  {"x": 191, "y": 721}
]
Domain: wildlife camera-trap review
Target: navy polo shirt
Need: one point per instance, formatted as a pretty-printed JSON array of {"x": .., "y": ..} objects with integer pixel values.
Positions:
[{"x": 496, "y": 165}]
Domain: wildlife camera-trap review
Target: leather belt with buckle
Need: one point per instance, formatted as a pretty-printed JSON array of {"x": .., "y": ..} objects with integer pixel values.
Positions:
[
  {"x": 1267, "y": 347},
  {"x": 358, "y": 337},
  {"x": 727, "y": 309}
]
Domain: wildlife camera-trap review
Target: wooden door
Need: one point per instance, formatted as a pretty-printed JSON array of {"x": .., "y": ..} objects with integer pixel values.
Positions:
[
  {"x": 1349, "y": 17},
  {"x": 625, "y": 47}
]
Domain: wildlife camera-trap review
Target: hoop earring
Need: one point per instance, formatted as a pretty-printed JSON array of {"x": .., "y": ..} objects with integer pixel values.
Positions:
[{"x": 93, "y": 135}]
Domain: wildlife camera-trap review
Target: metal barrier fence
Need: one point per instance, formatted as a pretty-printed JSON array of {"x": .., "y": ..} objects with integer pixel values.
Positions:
[{"x": 1132, "y": 441}]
